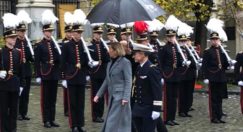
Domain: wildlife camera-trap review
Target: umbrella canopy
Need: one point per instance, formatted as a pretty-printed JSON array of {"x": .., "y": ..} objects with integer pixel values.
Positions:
[{"x": 124, "y": 11}]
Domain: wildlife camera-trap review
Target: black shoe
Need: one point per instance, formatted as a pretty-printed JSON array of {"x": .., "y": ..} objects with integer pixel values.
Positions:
[
  {"x": 188, "y": 115},
  {"x": 47, "y": 125},
  {"x": 182, "y": 115},
  {"x": 26, "y": 118},
  {"x": 98, "y": 120},
  {"x": 170, "y": 123},
  {"x": 221, "y": 121},
  {"x": 75, "y": 129},
  {"x": 81, "y": 129},
  {"x": 191, "y": 109},
  {"x": 216, "y": 121},
  {"x": 66, "y": 114},
  {"x": 175, "y": 123},
  {"x": 54, "y": 124},
  {"x": 20, "y": 118}
]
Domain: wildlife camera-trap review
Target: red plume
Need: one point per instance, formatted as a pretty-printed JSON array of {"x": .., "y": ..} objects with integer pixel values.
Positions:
[{"x": 140, "y": 27}]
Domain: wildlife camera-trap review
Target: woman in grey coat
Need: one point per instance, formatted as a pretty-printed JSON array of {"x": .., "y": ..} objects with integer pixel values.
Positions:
[{"x": 118, "y": 82}]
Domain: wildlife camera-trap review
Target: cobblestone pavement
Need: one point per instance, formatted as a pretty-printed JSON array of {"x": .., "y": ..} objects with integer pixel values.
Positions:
[{"x": 199, "y": 122}]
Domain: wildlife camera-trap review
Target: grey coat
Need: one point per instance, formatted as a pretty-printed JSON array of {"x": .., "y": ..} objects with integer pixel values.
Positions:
[{"x": 118, "y": 81}]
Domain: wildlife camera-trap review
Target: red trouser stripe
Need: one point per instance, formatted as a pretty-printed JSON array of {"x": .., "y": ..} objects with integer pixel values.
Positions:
[
  {"x": 164, "y": 104},
  {"x": 241, "y": 99},
  {"x": 210, "y": 102},
  {"x": 42, "y": 101},
  {"x": 69, "y": 109}
]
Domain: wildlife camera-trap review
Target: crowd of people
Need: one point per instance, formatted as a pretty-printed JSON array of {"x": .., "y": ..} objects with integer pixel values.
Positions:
[{"x": 138, "y": 78}]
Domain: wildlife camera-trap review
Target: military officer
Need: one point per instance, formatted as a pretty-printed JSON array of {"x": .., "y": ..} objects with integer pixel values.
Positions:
[
  {"x": 97, "y": 74},
  {"x": 239, "y": 76},
  {"x": 11, "y": 76},
  {"x": 47, "y": 65},
  {"x": 147, "y": 92},
  {"x": 111, "y": 34},
  {"x": 27, "y": 57}
]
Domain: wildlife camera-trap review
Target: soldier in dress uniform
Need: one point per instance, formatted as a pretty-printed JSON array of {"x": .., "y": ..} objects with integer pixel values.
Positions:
[
  {"x": 239, "y": 76},
  {"x": 75, "y": 63},
  {"x": 11, "y": 76},
  {"x": 97, "y": 74},
  {"x": 68, "y": 37},
  {"x": 47, "y": 66},
  {"x": 111, "y": 34},
  {"x": 213, "y": 67},
  {"x": 146, "y": 92},
  {"x": 170, "y": 60},
  {"x": 27, "y": 57}
]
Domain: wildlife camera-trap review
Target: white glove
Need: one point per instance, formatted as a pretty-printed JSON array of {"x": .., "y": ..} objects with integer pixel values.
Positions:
[
  {"x": 38, "y": 80},
  {"x": 155, "y": 115},
  {"x": 3, "y": 74},
  {"x": 64, "y": 83},
  {"x": 87, "y": 78},
  {"x": 240, "y": 83},
  {"x": 162, "y": 81},
  {"x": 206, "y": 81},
  {"x": 20, "y": 90}
]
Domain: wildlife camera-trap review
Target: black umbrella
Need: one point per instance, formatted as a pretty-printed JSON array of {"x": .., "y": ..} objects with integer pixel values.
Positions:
[{"x": 124, "y": 11}]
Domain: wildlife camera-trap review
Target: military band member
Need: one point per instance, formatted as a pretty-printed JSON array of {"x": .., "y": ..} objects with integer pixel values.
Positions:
[
  {"x": 213, "y": 66},
  {"x": 97, "y": 74},
  {"x": 47, "y": 65},
  {"x": 68, "y": 37},
  {"x": 11, "y": 76},
  {"x": 147, "y": 92},
  {"x": 239, "y": 76},
  {"x": 27, "y": 57}
]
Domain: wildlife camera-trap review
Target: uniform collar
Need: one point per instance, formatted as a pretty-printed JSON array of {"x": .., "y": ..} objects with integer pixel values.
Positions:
[{"x": 143, "y": 63}]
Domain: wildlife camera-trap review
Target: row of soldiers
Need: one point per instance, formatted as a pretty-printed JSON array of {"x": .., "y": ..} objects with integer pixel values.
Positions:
[{"x": 73, "y": 61}]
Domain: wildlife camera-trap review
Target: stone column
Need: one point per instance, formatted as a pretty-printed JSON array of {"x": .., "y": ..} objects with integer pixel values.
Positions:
[
  {"x": 239, "y": 37},
  {"x": 35, "y": 9}
]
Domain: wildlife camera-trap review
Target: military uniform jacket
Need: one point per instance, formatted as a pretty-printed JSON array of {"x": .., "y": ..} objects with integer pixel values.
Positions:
[
  {"x": 26, "y": 56},
  {"x": 170, "y": 60},
  {"x": 214, "y": 65},
  {"x": 147, "y": 92},
  {"x": 14, "y": 78},
  {"x": 47, "y": 60},
  {"x": 188, "y": 73},
  {"x": 238, "y": 67},
  {"x": 153, "y": 57},
  {"x": 75, "y": 62},
  {"x": 98, "y": 54}
]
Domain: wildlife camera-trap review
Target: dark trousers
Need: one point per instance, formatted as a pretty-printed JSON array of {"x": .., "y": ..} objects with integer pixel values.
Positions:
[
  {"x": 215, "y": 100},
  {"x": 97, "y": 108},
  {"x": 24, "y": 98},
  {"x": 191, "y": 88},
  {"x": 48, "y": 100},
  {"x": 65, "y": 101},
  {"x": 76, "y": 101},
  {"x": 184, "y": 96},
  {"x": 160, "y": 125},
  {"x": 8, "y": 111},
  {"x": 170, "y": 100},
  {"x": 144, "y": 124},
  {"x": 241, "y": 99}
]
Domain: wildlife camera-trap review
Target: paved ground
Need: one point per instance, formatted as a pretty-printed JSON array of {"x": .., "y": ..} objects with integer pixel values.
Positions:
[{"x": 199, "y": 122}]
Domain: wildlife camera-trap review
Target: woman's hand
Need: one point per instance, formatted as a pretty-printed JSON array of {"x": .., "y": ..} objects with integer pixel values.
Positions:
[
  {"x": 124, "y": 102},
  {"x": 96, "y": 99}
]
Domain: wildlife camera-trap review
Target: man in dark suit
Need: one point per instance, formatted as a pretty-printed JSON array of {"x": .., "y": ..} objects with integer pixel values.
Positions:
[
  {"x": 21, "y": 44},
  {"x": 213, "y": 66},
  {"x": 47, "y": 65},
  {"x": 97, "y": 74},
  {"x": 147, "y": 92},
  {"x": 239, "y": 76},
  {"x": 11, "y": 79}
]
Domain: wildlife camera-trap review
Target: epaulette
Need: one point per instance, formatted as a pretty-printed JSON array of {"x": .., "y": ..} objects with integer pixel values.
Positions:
[
  {"x": 66, "y": 41},
  {"x": 37, "y": 42},
  {"x": 152, "y": 65},
  {"x": 207, "y": 48}
]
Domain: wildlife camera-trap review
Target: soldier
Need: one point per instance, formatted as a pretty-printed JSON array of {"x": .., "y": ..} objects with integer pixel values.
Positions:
[
  {"x": 97, "y": 74},
  {"x": 47, "y": 64},
  {"x": 213, "y": 66},
  {"x": 239, "y": 76},
  {"x": 68, "y": 37},
  {"x": 11, "y": 76},
  {"x": 75, "y": 65},
  {"x": 147, "y": 92},
  {"x": 27, "y": 57},
  {"x": 170, "y": 60},
  {"x": 111, "y": 34}
]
